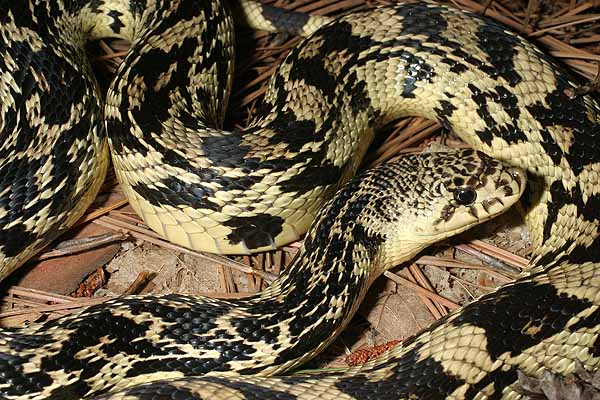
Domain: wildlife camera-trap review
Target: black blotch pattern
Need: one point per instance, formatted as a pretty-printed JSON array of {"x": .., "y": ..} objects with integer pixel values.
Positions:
[
  {"x": 579, "y": 253},
  {"x": 418, "y": 71},
  {"x": 588, "y": 210},
  {"x": 418, "y": 20},
  {"x": 25, "y": 342},
  {"x": 19, "y": 382},
  {"x": 590, "y": 322},
  {"x": 595, "y": 350},
  {"x": 411, "y": 378},
  {"x": 103, "y": 323},
  {"x": 116, "y": 25},
  {"x": 126, "y": 336},
  {"x": 499, "y": 379},
  {"x": 561, "y": 112},
  {"x": 551, "y": 148},
  {"x": 509, "y": 313},
  {"x": 509, "y": 132},
  {"x": 325, "y": 174},
  {"x": 153, "y": 63},
  {"x": 189, "y": 322},
  {"x": 295, "y": 133},
  {"x": 15, "y": 239},
  {"x": 500, "y": 49},
  {"x": 291, "y": 131},
  {"x": 175, "y": 192},
  {"x": 227, "y": 151},
  {"x": 444, "y": 112},
  {"x": 255, "y": 232}
]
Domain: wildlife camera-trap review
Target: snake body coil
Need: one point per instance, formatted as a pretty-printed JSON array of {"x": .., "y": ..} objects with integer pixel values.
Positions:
[{"x": 238, "y": 192}]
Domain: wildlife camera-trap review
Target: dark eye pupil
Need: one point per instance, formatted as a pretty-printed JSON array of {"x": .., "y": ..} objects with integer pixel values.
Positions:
[{"x": 465, "y": 196}]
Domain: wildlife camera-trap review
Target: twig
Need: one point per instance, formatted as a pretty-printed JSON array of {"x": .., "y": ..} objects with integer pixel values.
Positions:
[
  {"x": 433, "y": 296},
  {"x": 139, "y": 283},
  {"x": 82, "y": 244}
]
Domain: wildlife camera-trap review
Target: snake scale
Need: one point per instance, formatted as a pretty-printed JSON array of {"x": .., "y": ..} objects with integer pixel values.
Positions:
[{"x": 251, "y": 190}]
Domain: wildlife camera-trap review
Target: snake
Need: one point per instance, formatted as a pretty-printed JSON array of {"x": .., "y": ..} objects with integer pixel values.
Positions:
[{"x": 239, "y": 192}]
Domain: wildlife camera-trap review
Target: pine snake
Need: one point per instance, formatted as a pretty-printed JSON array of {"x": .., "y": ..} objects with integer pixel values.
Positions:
[{"x": 239, "y": 192}]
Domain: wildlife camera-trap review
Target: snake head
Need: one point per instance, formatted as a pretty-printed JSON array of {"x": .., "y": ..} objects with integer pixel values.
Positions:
[
  {"x": 392, "y": 212},
  {"x": 470, "y": 190},
  {"x": 445, "y": 194}
]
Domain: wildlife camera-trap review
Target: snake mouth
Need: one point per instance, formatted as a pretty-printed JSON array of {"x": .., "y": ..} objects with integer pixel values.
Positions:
[{"x": 509, "y": 186}]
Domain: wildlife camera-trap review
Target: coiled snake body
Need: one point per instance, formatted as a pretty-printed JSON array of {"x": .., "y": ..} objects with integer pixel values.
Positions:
[{"x": 237, "y": 192}]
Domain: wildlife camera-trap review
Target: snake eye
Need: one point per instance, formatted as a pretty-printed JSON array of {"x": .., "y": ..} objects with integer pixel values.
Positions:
[{"x": 465, "y": 196}]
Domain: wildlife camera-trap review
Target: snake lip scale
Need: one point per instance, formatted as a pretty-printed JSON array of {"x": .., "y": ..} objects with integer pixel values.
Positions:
[{"x": 255, "y": 189}]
